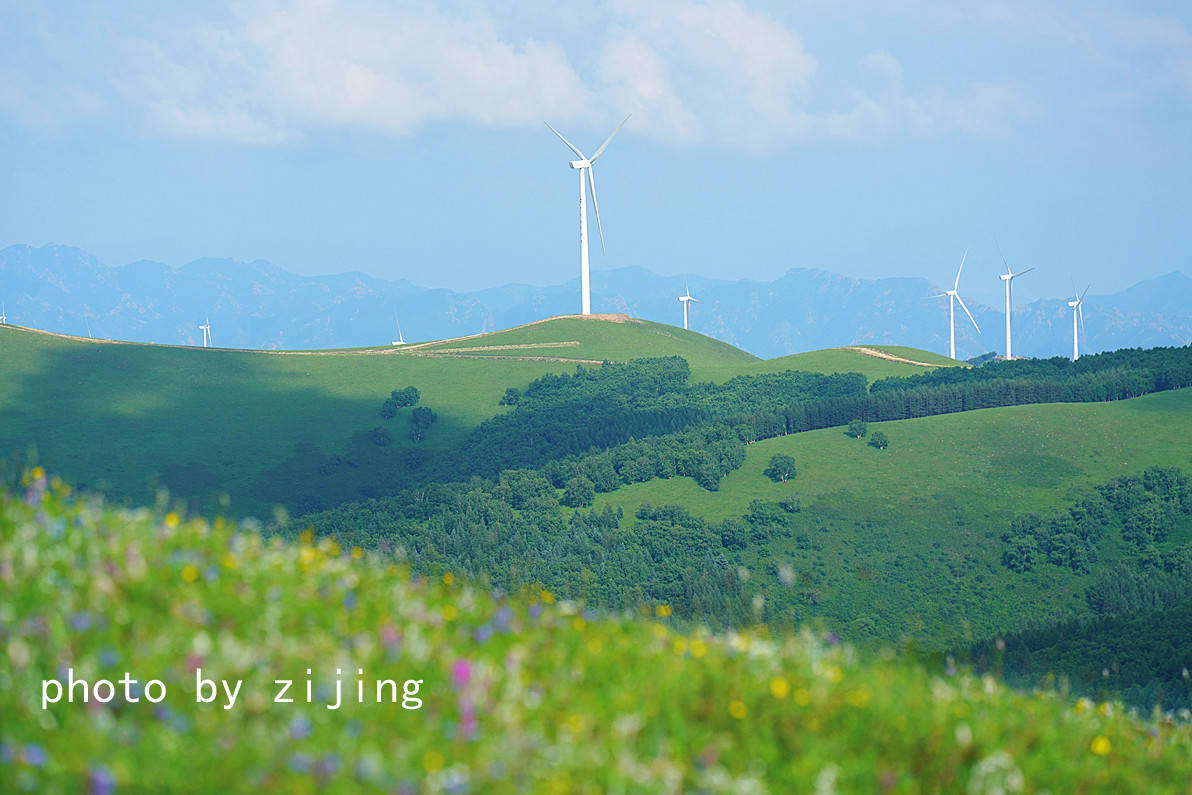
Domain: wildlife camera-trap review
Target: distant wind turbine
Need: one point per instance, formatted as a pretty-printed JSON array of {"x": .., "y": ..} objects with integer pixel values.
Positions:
[
  {"x": 3, "y": 317},
  {"x": 953, "y": 297},
  {"x": 400, "y": 339},
  {"x": 585, "y": 164},
  {"x": 88, "y": 324},
  {"x": 1077, "y": 304},
  {"x": 206, "y": 332},
  {"x": 686, "y": 300},
  {"x": 1008, "y": 277}
]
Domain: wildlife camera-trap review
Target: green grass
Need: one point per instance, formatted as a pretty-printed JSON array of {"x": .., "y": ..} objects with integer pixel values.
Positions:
[
  {"x": 906, "y": 541},
  {"x": 843, "y": 360},
  {"x": 524, "y": 694},
  {"x": 267, "y": 428}
]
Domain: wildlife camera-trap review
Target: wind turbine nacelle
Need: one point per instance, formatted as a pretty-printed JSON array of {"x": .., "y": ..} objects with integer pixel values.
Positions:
[
  {"x": 1005, "y": 276},
  {"x": 581, "y": 163}
]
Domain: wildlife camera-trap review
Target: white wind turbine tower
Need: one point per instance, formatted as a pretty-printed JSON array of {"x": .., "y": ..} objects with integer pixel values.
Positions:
[
  {"x": 400, "y": 339},
  {"x": 1008, "y": 277},
  {"x": 953, "y": 297},
  {"x": 1077, "y": 304},
  {"x": 206, "y": 332},
  {"x": 3, "y": 316},
  {"x": 585, "y": 164},
  {"x": 686, "y": 300}
]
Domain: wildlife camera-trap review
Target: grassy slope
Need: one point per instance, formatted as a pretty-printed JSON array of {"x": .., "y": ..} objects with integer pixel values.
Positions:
[
  {"x": 517, "y": 696},
  {"x": 906, "y": 540},
  {"x": 259, "y": 426}
]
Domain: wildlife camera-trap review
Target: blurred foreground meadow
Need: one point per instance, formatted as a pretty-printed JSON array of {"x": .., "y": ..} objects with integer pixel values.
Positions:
[{"x": 520, "y": 693}]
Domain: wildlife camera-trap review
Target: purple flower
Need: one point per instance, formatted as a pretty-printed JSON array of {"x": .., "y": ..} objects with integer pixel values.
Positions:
[
  {"x": 327, "y": 766},
  {"x": 35, "y": 755},
  {"x": 109, "y": 657},
  {"x": 300, "y": 763},
  {"x": 834, "y": 639},
  {"x": 81, "y": 621},
  {"x": 102, "y": 782},
  {"x": 350, "y": 600},
  {"x": 503, "y": 619},
  {"x": 483, "y": 633},
  {"x": 300, "y": 727}
]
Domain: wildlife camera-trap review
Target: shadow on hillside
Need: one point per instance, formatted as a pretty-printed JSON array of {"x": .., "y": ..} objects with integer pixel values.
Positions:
[{"x": 220, "y": 430}]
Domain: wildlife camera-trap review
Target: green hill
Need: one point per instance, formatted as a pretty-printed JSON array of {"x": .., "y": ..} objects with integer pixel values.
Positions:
[
  {"x": 262, "y": 427},
  {"x": 906, "y": 541},
  {"x": 525, "y": 694}
]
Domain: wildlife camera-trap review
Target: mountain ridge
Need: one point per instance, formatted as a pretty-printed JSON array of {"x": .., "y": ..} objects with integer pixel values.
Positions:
[{"x": 261, "y": 305}]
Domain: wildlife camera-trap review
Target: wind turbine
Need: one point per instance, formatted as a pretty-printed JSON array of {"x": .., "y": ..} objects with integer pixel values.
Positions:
[
  {"x": 3, "y": 316},
  {"x": 686, "y": 300},
  {"x": 88, "y": 324},
  {"x": 953, "y": 297},
  {"x": 1008, "y": 277},
  {"x": 206, "y": 332},
  {"x": 400, "y": 339},
  {"x": 1077, "y": 304},
  {"x": 585, "y": 164}
]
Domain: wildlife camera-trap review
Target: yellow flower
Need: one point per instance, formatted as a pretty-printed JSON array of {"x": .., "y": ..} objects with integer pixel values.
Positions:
[
  {"x": 699, "y": 649},
  {"x": 595, "y": 645},
  {"x": 737, "y": 709},
  {"x": 679, "y": 646},
  {"x": 802, "y": 697},
  {"x": 547, "y": 596},
  {"x": 662, "y": 611},
  {"x": 357, "y": 553},
  {"x": 432, "y": 761},
  {"x": 1100, "y": 745},
  {"x": 308, "y": 536},
  {"x": 230, "y": 561},
  {"x": 779, "y": 687},
  {"x": 448, "y": 578},
  {"x": 659, "y": 631},
  {"x": 578, "y": 623},
  {"x": 833, "y": 674},
  {"x": 190, "y": 573},
  {"x": 171, "y": 519},
  {"x": 38, "y": 473},
  {"x": 859, "y": 697},
  {"x": 450, "y": 613}
]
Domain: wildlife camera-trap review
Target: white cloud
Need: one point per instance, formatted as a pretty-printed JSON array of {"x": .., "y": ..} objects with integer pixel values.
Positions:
[{"x": 717, "y": 72}]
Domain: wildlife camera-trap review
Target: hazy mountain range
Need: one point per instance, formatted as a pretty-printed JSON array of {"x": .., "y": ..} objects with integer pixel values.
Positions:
[{"x": 259, "y": 305}]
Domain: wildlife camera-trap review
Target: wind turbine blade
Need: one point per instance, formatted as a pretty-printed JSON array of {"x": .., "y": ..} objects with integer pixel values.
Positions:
[
  {"x": 940, "y": 295},
  {"x": 956, "y": 286},
  {"x": 1080, "y": 314},
  {"x": 1082, "y": 295},
  {"x": 1016, "y": 275},
  {"x": 596, "y": 207},
  {"x": 1003, "y": 256},
  {"x": 967, "y": 312},
  {"x": 570, "y": 145},
  {"x": 604, "y": 145}
]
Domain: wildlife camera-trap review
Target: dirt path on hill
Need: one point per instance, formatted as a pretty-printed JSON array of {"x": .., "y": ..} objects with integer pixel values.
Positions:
[{"x": 875, "y": 353}]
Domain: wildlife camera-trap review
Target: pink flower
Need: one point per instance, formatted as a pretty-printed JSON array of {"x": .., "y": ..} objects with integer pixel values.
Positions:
[{"x": 461, "y": 673}]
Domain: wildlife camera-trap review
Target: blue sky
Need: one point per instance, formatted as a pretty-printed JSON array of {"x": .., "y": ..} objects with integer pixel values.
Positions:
[{"x": 406, "y": 139}]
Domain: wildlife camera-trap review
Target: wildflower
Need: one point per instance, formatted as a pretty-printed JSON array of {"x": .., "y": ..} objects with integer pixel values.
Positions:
[
  {"x": 547, "y": 596},
  {"x": 357, "y": 553},
  {"x": 432, "y": 761},
  {"x": 190, "y": 573},
  {"x": 780, "y": 687},
  {"x": 662, "y": 611},
  {"x": 699, "y": 648},
  {"x": 35, "y": 755},
  {"x": 483, "y": 633},
  {"x": 450, "y": 612},
  {"x": 300, "y": 727},
  {"x": 448, "y": 578},
  {"x": 502, "y": 619},
  {"x": 171, "y": 520},
  {"x": 1100, "y": 745},
  {"x": 802, "y": 697},
  {"x": 737, "y": 709},
  {"x": 102, "y": 782},
  {"x": 461, "y": 673}
]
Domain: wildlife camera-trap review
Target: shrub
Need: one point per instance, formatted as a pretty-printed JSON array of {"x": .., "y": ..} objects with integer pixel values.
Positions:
[
  {"x": 856, "y": 429},
  {"x": 879, "y": 440}
]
